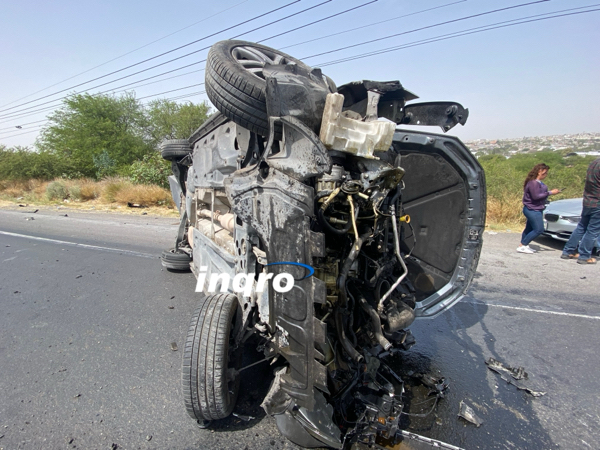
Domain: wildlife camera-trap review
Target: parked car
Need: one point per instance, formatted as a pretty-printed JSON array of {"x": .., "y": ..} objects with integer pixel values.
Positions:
[
  {"x": 373, "y": 226},
  {"x": 561, "y": 218}
]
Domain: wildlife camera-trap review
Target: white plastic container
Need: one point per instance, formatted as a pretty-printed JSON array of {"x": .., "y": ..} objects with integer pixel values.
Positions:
[{"x": 351, "y": 135}]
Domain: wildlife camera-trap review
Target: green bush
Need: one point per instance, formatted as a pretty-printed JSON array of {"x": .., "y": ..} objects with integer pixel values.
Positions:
[
  {"x": 152, "y": 169},
  {"x": 75, "y": 192},
  {"x": 20, "y": 163},
  {"x": 57, "y": 191}
]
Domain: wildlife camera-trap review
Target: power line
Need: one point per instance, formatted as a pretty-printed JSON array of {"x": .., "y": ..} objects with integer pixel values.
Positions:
[
  {"x": 22, "y": 125},
  {"x": 320, "y": 20},
  {"x": 427, "y": 27},
  {"x": 172, "y": 90},
  {"x": 370, "y": 25},
  {"x": 283, "y": 18},
  {"x": 157, "y": 56},
  {"x": 128, "y": 53},
  {"x": 36, "y": 128},
  {"x": 463, "y": 33},
  {"x": 20, "y": 134},
  {"x": 153, "y": 82}
]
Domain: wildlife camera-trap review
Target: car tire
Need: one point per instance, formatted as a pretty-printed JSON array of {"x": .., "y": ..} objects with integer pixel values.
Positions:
[
  {"x": 235, "y": 84},
  {"x": 210, "y": 379},
  {"x": 175, "y": 149},
  {"x": 175, "y": 260}
]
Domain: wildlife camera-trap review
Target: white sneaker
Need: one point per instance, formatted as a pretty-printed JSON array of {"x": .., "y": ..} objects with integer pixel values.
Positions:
[{"x": 525, "y": 249}]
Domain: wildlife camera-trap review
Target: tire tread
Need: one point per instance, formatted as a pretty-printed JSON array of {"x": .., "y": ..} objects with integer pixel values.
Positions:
[{"x": 205, "y": 359}]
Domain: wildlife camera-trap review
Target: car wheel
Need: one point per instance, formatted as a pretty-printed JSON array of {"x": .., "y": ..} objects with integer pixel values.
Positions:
[
  {"x": 209, "y": 375},
  {"x": 175, "y": 260},
  {"x": 174, "y": 149},
  {"x": 235, "y": 82}
]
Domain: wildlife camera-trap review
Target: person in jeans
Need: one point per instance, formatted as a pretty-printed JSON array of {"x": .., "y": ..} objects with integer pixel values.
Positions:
[
  {"x": 588, "y": 228},
  {"x": 535, "y": 193}
]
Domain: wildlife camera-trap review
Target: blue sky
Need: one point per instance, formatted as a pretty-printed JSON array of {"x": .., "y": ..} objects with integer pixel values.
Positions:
[{"x": 539, "y": 78}]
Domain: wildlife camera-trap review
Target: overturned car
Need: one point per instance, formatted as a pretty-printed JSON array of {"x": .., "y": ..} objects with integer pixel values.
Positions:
[{"x": 317, "y": 226}]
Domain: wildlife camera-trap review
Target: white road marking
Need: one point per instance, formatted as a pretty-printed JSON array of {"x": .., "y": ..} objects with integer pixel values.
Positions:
[
  {"x": 543, "y": 311},
  {"x": 77, "y": 244}
]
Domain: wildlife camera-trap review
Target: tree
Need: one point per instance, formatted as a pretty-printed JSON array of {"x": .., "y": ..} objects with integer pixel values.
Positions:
[
  {"x": 170, "y": 120},
  {"x": 98, "y": 134}
]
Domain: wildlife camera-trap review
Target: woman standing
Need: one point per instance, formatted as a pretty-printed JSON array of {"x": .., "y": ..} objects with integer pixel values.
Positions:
[{"x": 535, "y": 193}]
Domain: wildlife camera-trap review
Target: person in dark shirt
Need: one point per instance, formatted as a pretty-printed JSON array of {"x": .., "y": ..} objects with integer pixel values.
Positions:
[
  {"x": 535, "y": 193},
  {"x": 588, "y": 228}
]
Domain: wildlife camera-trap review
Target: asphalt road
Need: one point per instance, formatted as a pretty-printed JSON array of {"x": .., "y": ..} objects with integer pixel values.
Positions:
[{"x": 89, "y": 319}]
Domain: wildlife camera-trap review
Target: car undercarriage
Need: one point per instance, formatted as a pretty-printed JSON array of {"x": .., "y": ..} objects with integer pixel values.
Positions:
[{"x": 376, "y": 225}]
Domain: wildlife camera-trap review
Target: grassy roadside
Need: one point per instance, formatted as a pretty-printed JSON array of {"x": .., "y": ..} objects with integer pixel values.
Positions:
[
  {"x": 110, "y": 195},
  {"x": 115, "y": 194}
]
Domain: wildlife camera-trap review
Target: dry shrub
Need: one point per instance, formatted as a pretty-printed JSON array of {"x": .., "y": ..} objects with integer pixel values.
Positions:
[
  {"x": 506, "y": 209},
  {"x": 112, "y": 186},
  {"x": 13, "y": 188},
  {"x": 90, "y": 190},
  {"x": 84, "y": 189},
  {"x": 38, "y": 187},
  {"x": 28, "y": 190},
  {"x": 144, "y": 194}
]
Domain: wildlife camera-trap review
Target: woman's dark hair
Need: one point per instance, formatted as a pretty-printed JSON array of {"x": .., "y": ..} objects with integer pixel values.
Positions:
[{"x": 533, "y": 173}]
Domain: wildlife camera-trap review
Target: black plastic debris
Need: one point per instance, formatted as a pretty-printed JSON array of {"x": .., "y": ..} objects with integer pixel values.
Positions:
[
  {"x": 436, "y": 386},
  {"x": 511, "y": 374},
  {"x": 467, "y": 413}
]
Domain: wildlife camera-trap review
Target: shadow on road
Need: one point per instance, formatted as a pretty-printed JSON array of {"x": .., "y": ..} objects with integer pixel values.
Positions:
[{"x": 445, "y": 348}]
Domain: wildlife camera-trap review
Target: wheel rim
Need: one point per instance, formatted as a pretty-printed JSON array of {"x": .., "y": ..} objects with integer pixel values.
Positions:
[{"x": 253, "y": 59}]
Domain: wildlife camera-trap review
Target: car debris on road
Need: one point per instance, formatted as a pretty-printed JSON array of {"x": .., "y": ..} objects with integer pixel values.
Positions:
[
  {"x": 511, "y": 374},
  {"x": 467, "y": 413}
]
